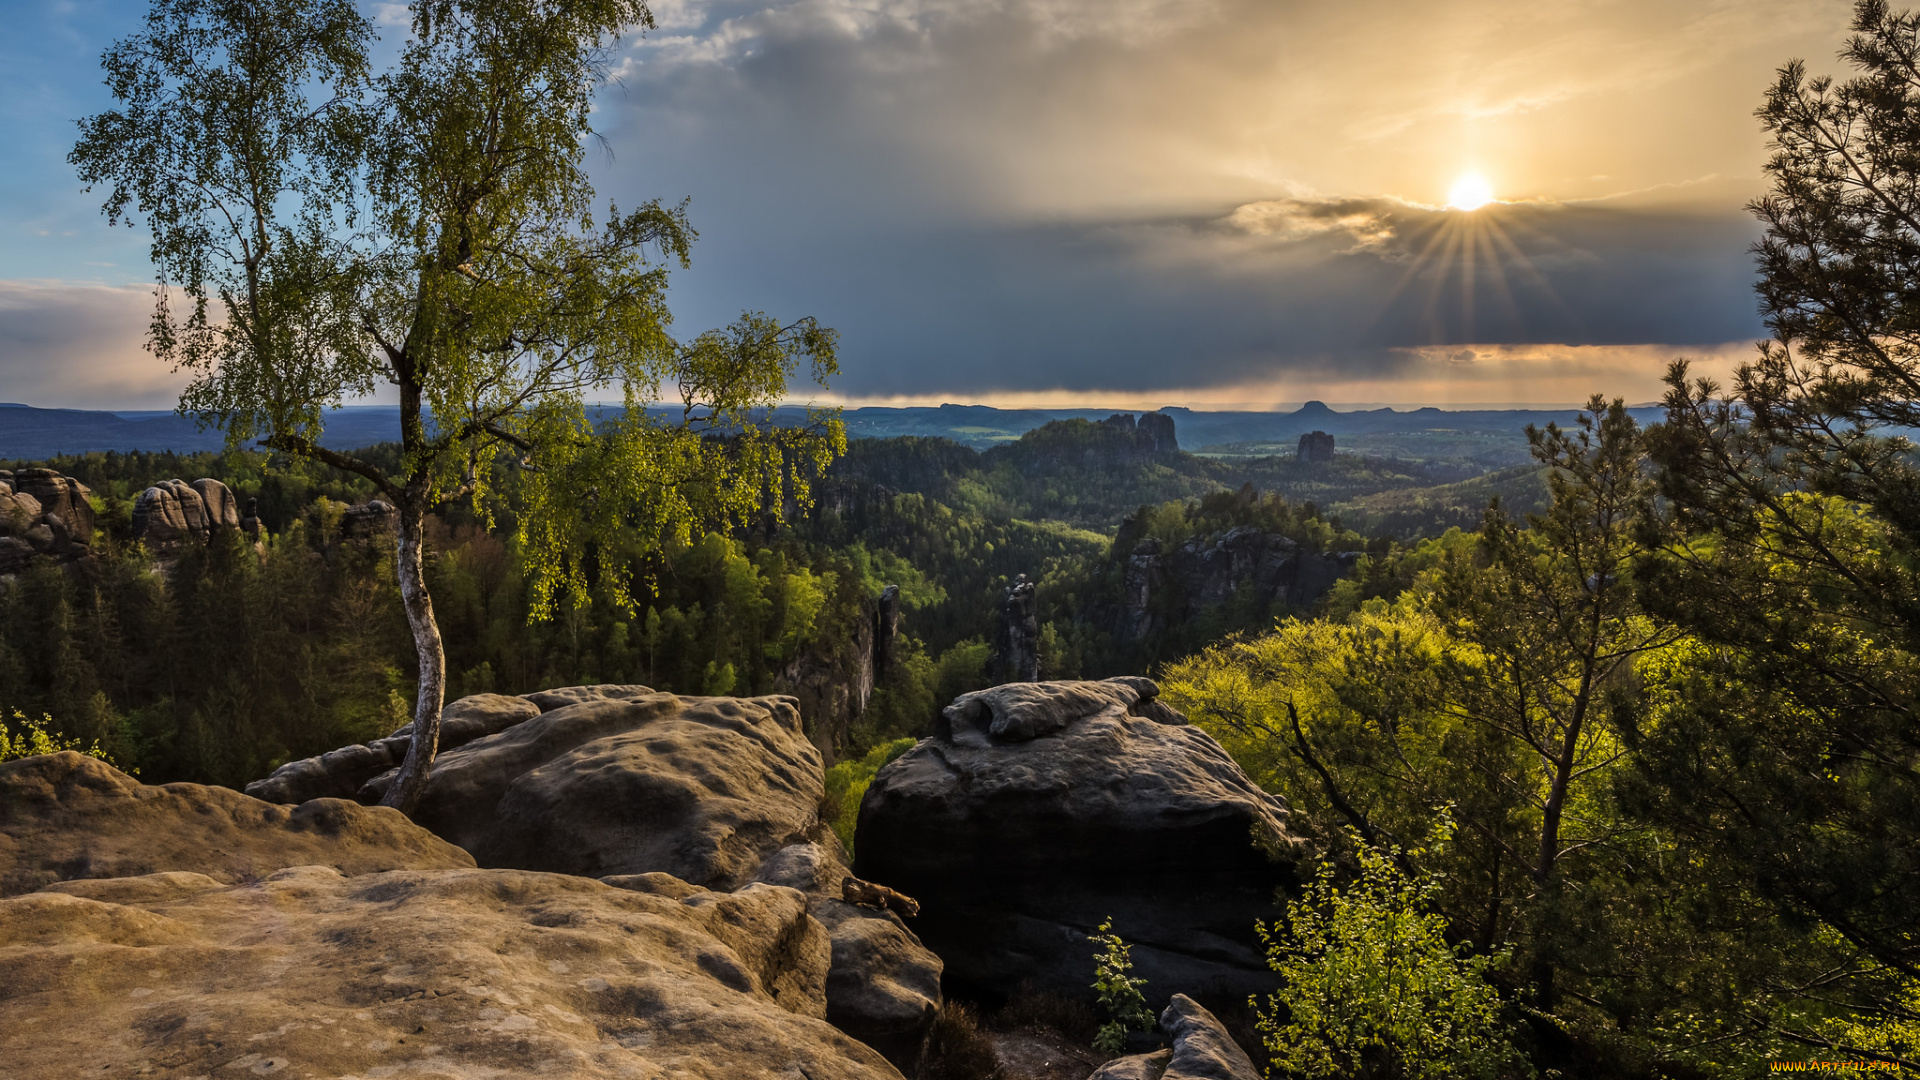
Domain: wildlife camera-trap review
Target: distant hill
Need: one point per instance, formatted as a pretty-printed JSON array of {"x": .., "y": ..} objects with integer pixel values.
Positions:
[
  {"x": 29, "y": 434},
  {"x": 1488, "y": 439}
]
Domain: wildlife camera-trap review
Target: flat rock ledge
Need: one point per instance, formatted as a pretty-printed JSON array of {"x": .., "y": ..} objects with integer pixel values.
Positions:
[
  {"x": 627, "y": 785},
  {"x": 181, "y": 931}
]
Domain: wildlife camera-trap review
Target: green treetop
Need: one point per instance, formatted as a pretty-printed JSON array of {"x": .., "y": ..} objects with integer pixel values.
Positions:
[{"x": 430, "y": 227}]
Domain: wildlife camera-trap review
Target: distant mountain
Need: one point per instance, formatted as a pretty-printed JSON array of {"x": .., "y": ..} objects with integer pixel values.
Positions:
[{"x": 28, "y": 433}]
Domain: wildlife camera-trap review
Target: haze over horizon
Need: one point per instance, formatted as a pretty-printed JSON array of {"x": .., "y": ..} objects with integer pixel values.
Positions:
[{"x": 1076, "y": 203}]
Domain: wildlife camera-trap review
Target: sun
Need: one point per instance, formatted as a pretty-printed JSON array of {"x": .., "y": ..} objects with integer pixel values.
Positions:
[{"x": 1470, "y": 192}]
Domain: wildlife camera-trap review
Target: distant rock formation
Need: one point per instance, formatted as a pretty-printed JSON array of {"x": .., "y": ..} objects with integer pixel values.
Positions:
[
  {"x": 42, "y": 514},
  {"x": 1316, "y": 447},
  {"x": 173, "y": 512},
  {"x": 1037, "y": 810},
  {"x": 657, "y": 793},
  {"x": 1016, "y": 650},
  {"x": 1152, "y": 432},
  {"x": 1208, "y": 571},
  {"x": 1157, "y": 427},
  {"x": 376, "y": 520},
  {"x": 195, "y": 931},
  {"x": 833, "y": 680}
]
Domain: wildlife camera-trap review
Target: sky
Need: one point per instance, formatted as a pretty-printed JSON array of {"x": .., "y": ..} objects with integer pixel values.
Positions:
[{"x": 1136, "y": 203}]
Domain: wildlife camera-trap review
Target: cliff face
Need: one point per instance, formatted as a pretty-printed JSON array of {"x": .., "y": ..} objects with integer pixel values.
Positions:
[
  {"x": 834, "y": 682},
  {"x": 1242, "y": 564}
]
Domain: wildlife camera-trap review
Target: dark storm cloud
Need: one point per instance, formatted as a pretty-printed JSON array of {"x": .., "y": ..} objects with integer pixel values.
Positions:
[{"x": 1028, "y": 195}]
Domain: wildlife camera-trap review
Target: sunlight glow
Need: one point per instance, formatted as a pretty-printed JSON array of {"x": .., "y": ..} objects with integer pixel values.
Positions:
[{"x": 1470, "y": 192}]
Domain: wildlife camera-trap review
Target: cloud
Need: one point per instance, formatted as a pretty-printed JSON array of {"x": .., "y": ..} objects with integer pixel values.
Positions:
[
  {"x": 66, "y": 345},
  {"x": 1012, "y": 197}
]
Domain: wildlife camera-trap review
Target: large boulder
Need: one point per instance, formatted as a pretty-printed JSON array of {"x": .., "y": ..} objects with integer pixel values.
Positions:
[
  {"x": 60, "y": 495},
  {"x": 169, "y": 513},
  {"x": 701, "y": 788},
  {"x": 660, "y": 794},
  {"x": 67, "y": 816},
  {"x": 42, "y": 513},
  {"x": 1039, "y": 810},
  {"x": 341, "y": 773},
  {"x": 1201, "y": 1050},
  {"x": 413, "y": 973}
]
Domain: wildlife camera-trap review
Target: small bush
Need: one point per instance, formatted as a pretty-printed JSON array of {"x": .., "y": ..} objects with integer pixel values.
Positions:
[
  {"x": 1118, "y": 992},
  {"x": 23, "y": 736},
  {"x": 956, "y": 1047},
  {"x": 1371, "y": 989}
]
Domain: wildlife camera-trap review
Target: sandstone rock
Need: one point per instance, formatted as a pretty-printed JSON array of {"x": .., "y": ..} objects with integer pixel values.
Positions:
[
  {"x": 62, "y": 495},
  {"x": 221, "y": 509},
  {"x": 1016, "y": 649},
  {"x": 549, "y": 700},
  {"x": 15, "y": 554},
  {"x": 1135, "y": 1067},
  {"x": 339, "y": 774},
  {"x": 1156, "y": 429},
  {"x": 1202, "y": 1050},
  {"x": 169, "y": 513},
  {"x": 67, "y": 816},
  {"x": 1316, "y": 447},
  {"x": 375, "y": 520},
  {"x": 18, "y": 512},
  {"x": 414, "y": 973},
  {"x": 700, "y": 788},
  {"x": 1019, "y": 844},
  {"x": 883, "y": 987}
]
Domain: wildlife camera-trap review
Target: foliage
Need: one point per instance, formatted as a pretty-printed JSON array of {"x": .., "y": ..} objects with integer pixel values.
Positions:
[
  {"x": 847, "y": 784},
  {"x": 1789, "y": 543},
  {"x": 24, "y": 736},
  {"x": 957, "y": 1048},
  {"x": 432, "y": 226},
  {"x": 1117, "y": 991},
  {"x": 1371, "y": 988}
]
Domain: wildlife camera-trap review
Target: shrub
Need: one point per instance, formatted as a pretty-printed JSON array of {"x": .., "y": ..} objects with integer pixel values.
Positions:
[
  {"x": 23, "y": 736},
  {"x": 956, "y": 1047},
  {"x": 1118, "y": 992},
  {"x": 1373, "y": 991}
]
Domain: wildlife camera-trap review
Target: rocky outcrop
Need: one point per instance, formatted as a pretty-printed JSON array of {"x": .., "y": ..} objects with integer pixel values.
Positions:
[
  {"x": 832, "y": 683},
  {"x": 662, "y": 794},
  {"x": 1039, "y": 810},
  {"x": 1316, "y": 447},
  {"x": 66, "y": 816},
  {"x": 438, "y": 972},
  {"x": 884, "y": 986},
  {"x": 1156, "y": 429},
  {"x": 341, "y": 773},
  {"x": 700, "y": 788},
  {"x": 376, "y": 520},
  {"x": 1016, "y": 649},
  {"x": 1167, "y": 587},
  {"x": 173, "y": 512},
  {"x": 1151, "y": 434},
  {"x": 42, "y": 514},
  {"x": 1201, "y": 1050}
]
